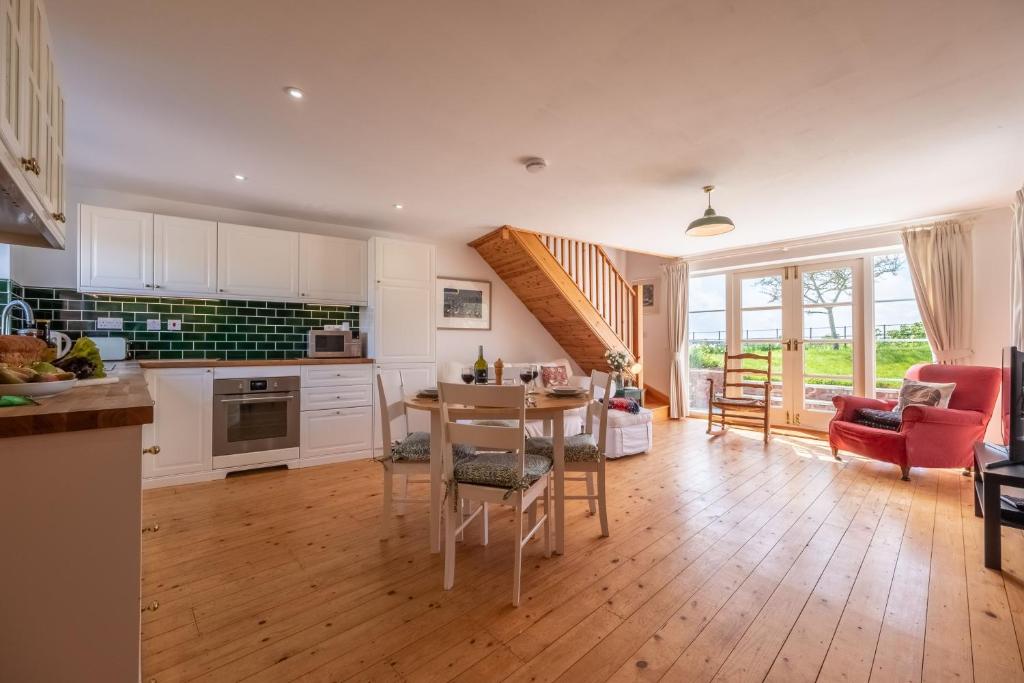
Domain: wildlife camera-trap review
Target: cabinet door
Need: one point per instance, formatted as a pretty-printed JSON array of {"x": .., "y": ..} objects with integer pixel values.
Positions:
[
  {"x": 182, "y": 422},
  {"x": 399, "y": 262},
  {"x": 38, "y": 123},
  {"x": 115, "y": 249},
  {"x": 257, "y": 261},
  {"x": 332, "y": 269},
  {"x": 14, "y": 74},
  {"x": 336, "y": 432},
  {"x": 404, "y": 327},
  {"x": 184, "y": 255}
]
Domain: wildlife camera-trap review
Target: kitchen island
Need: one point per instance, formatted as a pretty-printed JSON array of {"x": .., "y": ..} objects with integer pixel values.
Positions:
[{"x": 70, "y": 527}]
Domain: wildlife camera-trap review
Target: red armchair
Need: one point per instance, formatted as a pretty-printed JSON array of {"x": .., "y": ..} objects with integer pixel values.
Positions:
[{"x": 928, "y": 437}]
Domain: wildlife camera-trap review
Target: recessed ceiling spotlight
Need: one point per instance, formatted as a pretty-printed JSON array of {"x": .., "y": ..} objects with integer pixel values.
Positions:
[
  {"x": 294, "y": 93},
  {"x": 240, "y": 178},
  {"x": 535, "y": 165},
  {"x": 398, "y": 206}
]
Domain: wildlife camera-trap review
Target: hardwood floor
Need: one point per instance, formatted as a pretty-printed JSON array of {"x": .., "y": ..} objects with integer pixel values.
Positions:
[{"x": 726, "y": 561}]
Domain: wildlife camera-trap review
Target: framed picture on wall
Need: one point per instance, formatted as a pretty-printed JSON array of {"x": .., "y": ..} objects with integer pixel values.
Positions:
[
  {"x": 649, "y": 295},
  {"x": 463, "y": 304}
]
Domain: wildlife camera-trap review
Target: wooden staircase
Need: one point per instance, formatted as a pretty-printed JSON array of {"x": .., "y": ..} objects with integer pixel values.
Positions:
[{"x": 573, "y": 289}]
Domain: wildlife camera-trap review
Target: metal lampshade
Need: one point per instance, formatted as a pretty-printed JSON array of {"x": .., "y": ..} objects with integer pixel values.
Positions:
[{"x": 710, "y": 223}]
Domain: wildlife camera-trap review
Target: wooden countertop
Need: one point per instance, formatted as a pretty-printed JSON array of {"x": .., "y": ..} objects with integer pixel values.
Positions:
[
  {"x": 215, "y": 363},
  {"x": 125, "y": 403}
]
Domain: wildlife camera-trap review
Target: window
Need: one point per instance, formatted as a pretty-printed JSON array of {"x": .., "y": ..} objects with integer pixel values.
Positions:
[
  {"x": 707, "y": 333},
  {"x": 900, "y": 340}
]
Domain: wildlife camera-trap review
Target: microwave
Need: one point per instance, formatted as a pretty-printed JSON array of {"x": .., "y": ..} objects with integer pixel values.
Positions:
[{"x": 333, "y": 344}]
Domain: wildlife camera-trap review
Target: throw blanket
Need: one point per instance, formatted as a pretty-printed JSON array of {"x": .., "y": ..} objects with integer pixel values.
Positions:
[
  {"x": 627, "y": 404},
  {"x": 879, "y": 419}
]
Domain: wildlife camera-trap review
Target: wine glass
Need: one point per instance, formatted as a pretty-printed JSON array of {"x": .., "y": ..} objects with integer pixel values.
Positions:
[
  {"x": 525, "y": 375},
  {"x": 467, "y": 375}
]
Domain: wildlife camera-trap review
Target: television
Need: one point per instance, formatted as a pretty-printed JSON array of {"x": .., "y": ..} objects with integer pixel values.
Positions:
[{"x": 1012, "y": 408}]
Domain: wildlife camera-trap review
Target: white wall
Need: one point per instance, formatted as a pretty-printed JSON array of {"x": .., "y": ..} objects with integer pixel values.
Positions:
[
  {"x": 515, "y": 334},
  {"x": 5, "y": 261},
  {"x": 655, "y": 352}
]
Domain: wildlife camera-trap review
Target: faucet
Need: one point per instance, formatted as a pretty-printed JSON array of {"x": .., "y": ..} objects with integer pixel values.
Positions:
[{"x": 8, "y": 311}]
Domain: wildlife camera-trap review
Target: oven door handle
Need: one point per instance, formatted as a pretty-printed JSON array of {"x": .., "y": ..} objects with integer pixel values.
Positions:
[{"x": 258, "y": 398}]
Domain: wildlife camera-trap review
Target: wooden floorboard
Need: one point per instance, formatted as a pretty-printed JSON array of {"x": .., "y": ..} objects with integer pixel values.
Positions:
[{"x": 727, "y": 560}]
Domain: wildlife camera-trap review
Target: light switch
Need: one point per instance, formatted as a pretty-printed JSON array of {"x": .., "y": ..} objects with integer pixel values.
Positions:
[
  {"x": 153, "y": 324},
  {"x": 109, "y": 323}
]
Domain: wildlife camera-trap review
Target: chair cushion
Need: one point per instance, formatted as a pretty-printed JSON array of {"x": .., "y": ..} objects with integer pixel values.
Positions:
[
  {"x": 578, "y": 448},
  {"x": 501, "y": 470},
  {"x": 879, "y": 419},
  {"x": 737, "y": 401},
  {"x": 416, "y": 448}
]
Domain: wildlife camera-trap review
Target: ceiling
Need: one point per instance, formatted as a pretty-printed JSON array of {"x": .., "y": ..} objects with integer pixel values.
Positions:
[{"x": 811, "y": 116}]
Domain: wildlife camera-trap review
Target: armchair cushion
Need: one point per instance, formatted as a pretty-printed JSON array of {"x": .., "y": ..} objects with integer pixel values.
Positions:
[{"x": 879, "y": 419}]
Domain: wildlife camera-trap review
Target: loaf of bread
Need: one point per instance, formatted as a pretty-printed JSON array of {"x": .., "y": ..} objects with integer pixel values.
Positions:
[{"x": 17, "y": 350}]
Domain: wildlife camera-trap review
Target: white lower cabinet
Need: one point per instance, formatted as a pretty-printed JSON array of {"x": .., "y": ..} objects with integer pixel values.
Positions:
[
  {"x": 182, "y": 427},
  {"x": 336, "y": 433}
]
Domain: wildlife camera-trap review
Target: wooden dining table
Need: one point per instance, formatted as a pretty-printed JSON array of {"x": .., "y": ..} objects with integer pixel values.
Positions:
[{"x": 542, "y": 406}]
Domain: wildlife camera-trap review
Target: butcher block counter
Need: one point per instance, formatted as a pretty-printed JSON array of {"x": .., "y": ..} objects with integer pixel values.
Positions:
[
  {"x": 217, "y": 363},
  {"x": 124, "y": 403}
]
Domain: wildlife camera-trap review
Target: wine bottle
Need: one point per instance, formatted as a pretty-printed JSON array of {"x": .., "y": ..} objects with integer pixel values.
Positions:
[{"x": 480, "y": 368}]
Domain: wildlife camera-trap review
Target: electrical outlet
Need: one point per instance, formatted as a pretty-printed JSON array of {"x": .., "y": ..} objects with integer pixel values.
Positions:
[
  {"x": 110, "y": 323},
  {"x": 153, "y": 324},
  {"x": 174, "y": 325}
]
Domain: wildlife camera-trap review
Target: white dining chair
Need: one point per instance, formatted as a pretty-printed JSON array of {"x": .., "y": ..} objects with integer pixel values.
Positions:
[
  {"x": 585, "y": 452},
  {"x": 498, "y": 472},
  {"x": 402, "y": 457}
]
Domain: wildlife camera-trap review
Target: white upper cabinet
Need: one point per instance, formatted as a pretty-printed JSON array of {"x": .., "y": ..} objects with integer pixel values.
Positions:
[
  {"x": 184, "y": 255},
  {"x": 403, "y": 306},
  {"x": 13, "y": 128},
  {"x": 332, "y": 269},
  {"x": 115, "y": 249},
  {"x": 257, "y": 261}
]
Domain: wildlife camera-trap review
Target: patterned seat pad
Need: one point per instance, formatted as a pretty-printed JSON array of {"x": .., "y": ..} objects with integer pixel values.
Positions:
[
  {"x": 578, "y": 448},
  {"x": 416, "y": 448},
  {"x": 501, "y": 470}
]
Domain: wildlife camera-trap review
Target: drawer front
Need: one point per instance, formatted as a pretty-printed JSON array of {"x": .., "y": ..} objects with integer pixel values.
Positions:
[
  {"x": 330, "y": 432},
  {"x": 350, "y": 396},
  {"x": 334, "y": 375}
]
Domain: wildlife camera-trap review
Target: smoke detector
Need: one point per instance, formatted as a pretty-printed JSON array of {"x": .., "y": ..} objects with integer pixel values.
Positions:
[{"x": 535, "y": 165}]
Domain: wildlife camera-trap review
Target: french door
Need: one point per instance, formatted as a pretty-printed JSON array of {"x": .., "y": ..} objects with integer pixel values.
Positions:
[{"x": 810, "y": 318}]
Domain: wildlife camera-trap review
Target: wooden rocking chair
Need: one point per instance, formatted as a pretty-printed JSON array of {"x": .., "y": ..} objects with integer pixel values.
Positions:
[{"x": 751, "y": 411}]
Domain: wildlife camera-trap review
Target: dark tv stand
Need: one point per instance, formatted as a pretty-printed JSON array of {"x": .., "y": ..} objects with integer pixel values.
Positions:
[{"x": 992, "y": 471}]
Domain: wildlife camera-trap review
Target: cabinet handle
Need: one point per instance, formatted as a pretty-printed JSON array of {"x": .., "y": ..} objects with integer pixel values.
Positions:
[
  {"x": 302, "y": 294},
  {"x": 220, "y": 290},
  {"x": 31, "y": 165},
  {"x": 156, "y": 286},
  {"x": 59, "y": 217},
  {"x": 155, "y": 526},
  {"x": 152, "y": 607},
  {"x": 152, "y": 450}
]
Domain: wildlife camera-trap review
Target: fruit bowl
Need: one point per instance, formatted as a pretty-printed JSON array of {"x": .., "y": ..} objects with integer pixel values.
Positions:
[{"x": 37, "y": 389}]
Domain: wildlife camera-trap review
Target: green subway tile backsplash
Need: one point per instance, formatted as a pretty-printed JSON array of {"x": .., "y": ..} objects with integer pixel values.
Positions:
[{"x": 233, "y": 329}]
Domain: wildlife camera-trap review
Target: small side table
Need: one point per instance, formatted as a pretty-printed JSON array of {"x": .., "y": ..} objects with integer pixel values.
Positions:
[{"x": 988, "y": 487}]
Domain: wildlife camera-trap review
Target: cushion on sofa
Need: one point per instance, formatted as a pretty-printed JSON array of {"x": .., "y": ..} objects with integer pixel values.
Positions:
[{"x": 916, "y": 392}]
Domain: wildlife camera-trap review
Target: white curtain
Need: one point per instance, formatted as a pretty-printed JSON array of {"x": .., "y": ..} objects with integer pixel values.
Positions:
[
  {"x": 940, "y": 263},
  {"x": 677, "y": 279},
  {"x": 1017, "y": 273}
]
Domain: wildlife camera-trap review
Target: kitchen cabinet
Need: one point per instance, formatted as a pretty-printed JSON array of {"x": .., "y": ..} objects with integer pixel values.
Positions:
[
  {"x": 332, "y": 269},
  {"x": 402, "y": 316},
  {"x": 342, "y": 374},
  {"x": 115, "y": 250},
  {"x": 182, "y": 425},
  {"x": 337, "y": 433},
  {"x": 184, "y": 255},
  {"x": 32, "y": 122},
  {"x": 257, "y": 262}
]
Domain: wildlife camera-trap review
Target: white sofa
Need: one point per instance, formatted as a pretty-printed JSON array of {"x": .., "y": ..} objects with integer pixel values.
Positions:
[{"x": 627, "y": 434}]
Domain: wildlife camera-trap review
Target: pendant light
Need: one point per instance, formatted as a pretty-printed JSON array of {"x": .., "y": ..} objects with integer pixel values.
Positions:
[{"x": 710, "y": 223}]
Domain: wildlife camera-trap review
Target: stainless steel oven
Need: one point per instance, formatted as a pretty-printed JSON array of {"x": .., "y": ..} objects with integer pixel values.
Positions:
[{"x": 254, "y": 415}]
